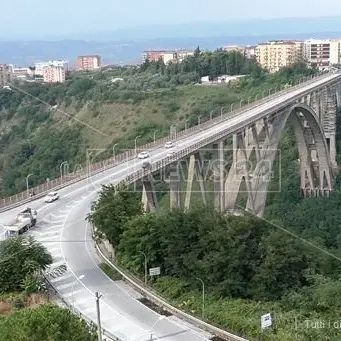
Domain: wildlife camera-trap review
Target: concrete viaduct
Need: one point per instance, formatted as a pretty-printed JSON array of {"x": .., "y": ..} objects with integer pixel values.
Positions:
[{"x": 238, "y": 154}]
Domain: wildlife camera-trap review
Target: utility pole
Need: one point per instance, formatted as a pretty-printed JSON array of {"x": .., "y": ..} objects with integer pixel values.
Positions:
[
  {"x": 145, "y": 268},
  {"x": 98, "y": 296}
]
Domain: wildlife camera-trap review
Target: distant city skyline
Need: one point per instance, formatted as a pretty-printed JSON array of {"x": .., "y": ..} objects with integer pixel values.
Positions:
[{"x": 39, "y": 19}]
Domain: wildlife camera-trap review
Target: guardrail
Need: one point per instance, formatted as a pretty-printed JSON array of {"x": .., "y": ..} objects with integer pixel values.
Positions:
[
  {"x": 175, "y": 311},
  {"x": 77, "y": 312},
  {"x": 92, "y": 169}
]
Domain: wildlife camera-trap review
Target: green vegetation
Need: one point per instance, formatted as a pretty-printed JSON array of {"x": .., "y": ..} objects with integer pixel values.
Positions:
[
  {"x": 48, "y": 322},
  {"x": 43, "y": 125},
  {"x": 250, "y": 266},
  {"x": 22, "y": 261}
]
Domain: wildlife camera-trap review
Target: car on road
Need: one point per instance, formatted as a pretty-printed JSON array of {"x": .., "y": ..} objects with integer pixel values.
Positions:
[
  {"x": 51, "y": 197},
  {"x": 143, "y": 155},
  {"x": 146, "y": 165},
  {"x": 169, "y": 144}
]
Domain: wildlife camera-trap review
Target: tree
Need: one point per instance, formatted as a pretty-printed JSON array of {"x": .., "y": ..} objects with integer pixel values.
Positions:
[
  {"x": 197, "y": 52},
  {"x": 113, "y": 209},
  {"x": 47, "y": 322},
  {"x": 21, "y": 259}
]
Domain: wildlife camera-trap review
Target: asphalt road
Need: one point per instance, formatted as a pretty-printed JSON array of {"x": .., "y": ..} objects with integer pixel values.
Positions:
[{"x": 63, "y": 230}]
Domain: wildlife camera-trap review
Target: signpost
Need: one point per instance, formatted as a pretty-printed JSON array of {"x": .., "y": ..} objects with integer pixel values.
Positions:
[
  {"x": 154, "y": 271},
  {"x": 266, "y": 321}
]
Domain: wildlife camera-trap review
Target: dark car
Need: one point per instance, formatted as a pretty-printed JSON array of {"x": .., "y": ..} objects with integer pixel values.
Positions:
[{"x": 146, "y": 165}]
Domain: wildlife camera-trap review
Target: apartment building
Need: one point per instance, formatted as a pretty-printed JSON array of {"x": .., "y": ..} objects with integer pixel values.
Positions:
[
  {"x": 274, "y": 55},
  {"x": 5, "y": 75},
  {"x": 88, "y": 63},
  {"x": 39, "y": 67},
  {"x": 20, "y": 72},
  {"x": 322, "y": 53},
  {"x": 166, "y": 55},
  {"x": 54, "y": 74}
]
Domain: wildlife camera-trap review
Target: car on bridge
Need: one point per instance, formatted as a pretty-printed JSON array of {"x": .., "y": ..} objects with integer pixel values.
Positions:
[
  {"x": 169, "y": 144},
  {"x": 146, "y": 165},
  {"x": 51, "y": 197},
  {"x": 143, "y": 155}
]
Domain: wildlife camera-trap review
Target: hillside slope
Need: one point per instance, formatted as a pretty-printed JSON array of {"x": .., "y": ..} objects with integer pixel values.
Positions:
[{"x": 43, "y": 125}]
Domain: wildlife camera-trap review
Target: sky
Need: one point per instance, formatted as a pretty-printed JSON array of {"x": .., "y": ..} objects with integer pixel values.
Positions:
[{"x": 43, "y": 18}]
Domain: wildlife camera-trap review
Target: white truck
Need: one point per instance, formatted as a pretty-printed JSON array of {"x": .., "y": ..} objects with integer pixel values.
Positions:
[{"x": 22, "y": 223}]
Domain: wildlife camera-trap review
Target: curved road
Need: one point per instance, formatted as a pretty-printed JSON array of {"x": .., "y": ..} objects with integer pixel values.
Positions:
[{"x": 63, "y": 230}]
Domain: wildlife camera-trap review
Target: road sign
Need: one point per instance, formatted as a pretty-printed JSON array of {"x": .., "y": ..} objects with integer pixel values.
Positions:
[
  {"x": 266, "y": 321},
  {"x": 154, "y": 271}
]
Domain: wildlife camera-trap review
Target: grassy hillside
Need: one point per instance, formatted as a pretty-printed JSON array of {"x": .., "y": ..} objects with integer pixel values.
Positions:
[{"x": 43, "y": 125}]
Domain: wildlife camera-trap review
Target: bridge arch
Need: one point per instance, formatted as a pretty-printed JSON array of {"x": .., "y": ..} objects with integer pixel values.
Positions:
[{"x": 315, "y": 164}]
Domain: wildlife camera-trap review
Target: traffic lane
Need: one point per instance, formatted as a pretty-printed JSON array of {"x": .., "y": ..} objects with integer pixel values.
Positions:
[{"x": 80, "y": 258}]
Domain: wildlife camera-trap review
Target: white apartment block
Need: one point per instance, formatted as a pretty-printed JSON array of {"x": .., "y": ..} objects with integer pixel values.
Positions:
[
  {"x": 20, "y": 72},
  {"x": 166, "y": 55},
  {"x": 39, "y": 67},
  {"x": 54, "y": 74},
  {"x": 322, "y": 53}
]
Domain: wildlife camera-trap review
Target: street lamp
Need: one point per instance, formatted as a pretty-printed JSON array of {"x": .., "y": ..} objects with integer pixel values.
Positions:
[
  {"x": 203, "y": 296},
  {"x": 221, "y": 112},
  {"x": 155, "y": 131},
  {"x": 27, "y": 182},
  {"x": 160, "y": 318},
  {"x": 98, "y": 296},
  {"x": 73, "y": 286},
  {"x": 248, "y": 100},
  {"x": 240, "y": 104},
  {"x": 145, "y": 267},
  {"x": 186, "y": 121},
  {"x": 113, "y": 150},
  {"x": 136, "y": 142},
  {"x": 231, "y": 107},
  {"x": 199, "y": 120},
  {"x": 211, "y": 114},
  {"x": 61, "y": 169},
  {"x": 173, "y": 131}
]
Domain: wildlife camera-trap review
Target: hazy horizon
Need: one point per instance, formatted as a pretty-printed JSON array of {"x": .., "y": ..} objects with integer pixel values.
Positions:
[{"x": 82, "y": 17}]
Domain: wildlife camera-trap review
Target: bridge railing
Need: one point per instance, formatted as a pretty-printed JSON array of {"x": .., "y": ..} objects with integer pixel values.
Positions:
[{"x": 95, "y": 168}]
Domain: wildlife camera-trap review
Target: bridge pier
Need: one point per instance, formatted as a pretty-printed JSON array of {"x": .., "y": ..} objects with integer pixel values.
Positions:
[
  {"x": 149, "y": 198},
  {"x": 195, "y": 169},
  {"x": 218, "y": 164},
  {"x": 174, "y": 186}
]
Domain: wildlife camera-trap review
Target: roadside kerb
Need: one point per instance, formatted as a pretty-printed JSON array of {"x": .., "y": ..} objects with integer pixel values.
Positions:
[
  {"x": 77, "y": 312},
  {"x": 164, "y": 304}
]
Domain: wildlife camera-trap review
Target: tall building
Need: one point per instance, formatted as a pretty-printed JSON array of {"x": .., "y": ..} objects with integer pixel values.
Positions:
[
  {"x": 274, "y": 55},
  {"x": 5, "y": 74},
  {"x": 166, "y": 55},
  {"x": 39, "y": 67},
  {"x": 322, "y": 53},
  {"x": 88, "y": 63},
  {"x": 54, "y": 74},
  {"x": 335, "y": 52}
]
